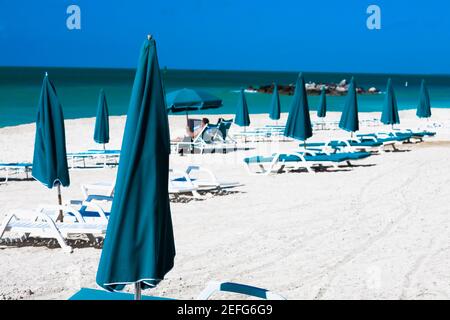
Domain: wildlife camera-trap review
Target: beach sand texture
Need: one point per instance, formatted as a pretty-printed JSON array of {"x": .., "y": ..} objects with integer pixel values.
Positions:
[{"x": 379, "y": 230}]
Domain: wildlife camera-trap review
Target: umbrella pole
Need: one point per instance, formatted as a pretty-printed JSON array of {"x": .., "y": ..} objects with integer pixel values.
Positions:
[
  {"x": 60, "y": 215},
  {"x": 137, "y": 291},
  {"x": 104, "y": 147},
  {"x": 245, "y": 135}
]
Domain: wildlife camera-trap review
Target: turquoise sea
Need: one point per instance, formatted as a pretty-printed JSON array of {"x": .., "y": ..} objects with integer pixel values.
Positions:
[{"x": 78, "y": 90}]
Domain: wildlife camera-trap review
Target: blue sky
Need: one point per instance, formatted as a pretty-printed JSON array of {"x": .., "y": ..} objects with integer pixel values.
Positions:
[{"x": 292, "y": 35}]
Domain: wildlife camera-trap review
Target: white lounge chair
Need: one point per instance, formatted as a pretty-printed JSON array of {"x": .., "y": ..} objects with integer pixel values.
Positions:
[
  {"x": 14, "y": 168},
  {"x": 183, "y": 186},
  {"x": 190, "y": 181},
  {"x": 207, "y": 139},
  {"x": 202, "y": 178},
  {"x": 42, "y": 224},
  {"x": 78, "y": 159}
]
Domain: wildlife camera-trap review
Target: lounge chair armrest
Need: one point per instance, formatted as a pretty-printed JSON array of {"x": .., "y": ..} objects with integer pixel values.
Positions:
[
  {"x": 373, "y": 138},
  {"x": 215, "y": 286},
  {"x": 201, "y": 169},
  {"x": 338, "y": 141},
  {"x": 65, "y": 209},
  {"x": 183, "y": 174}
]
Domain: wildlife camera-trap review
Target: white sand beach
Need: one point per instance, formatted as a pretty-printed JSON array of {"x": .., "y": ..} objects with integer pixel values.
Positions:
[{"x": 378, "y": 230}]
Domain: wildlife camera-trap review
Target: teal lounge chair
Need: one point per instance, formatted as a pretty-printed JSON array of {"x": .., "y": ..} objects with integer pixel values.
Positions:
[
  {"x": 224, "y": 127},
  {"x": 211, "y": 288},
  {"x": 400, "y": 136},
  {"x": 366, "y": 143},
  {"x": 302, "y": 159}
]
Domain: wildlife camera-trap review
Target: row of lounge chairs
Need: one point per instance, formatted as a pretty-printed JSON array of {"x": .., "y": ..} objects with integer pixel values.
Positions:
[
  {"x": 331, "y": 153},
  {"x": 224, "y": 135},
  {"x": 90, "y": 158},
  {"x": 89, "y": 216}
]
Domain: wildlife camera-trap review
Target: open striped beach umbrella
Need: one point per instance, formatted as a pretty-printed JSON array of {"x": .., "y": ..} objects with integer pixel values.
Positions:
[
  {"x": 298, "y": 124},
  {"x": 424, "y": 107},
  {"x": 349, "y": 118},
  {"x": 139, "y": 245},
  {"x": 275, "y": 106},
  {"x": 390, "y": 110},
  {"x": 101, "y": 131},
  {"x": 322, "y": 110},
  {"x": 50, "y": 157},
  {"x": 242, "y": 117}
]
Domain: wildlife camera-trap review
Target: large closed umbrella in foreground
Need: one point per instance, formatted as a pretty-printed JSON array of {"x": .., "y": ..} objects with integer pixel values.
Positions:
[
  {"x": 390, "y": 110},
  {"x": 101, "y": 131},
  {"x": 139, "y": 246},
  {"x": 298, "y": 124},
  {"x": 322, "y": 110},
  {"x": 349, "y": 118},
  {"x": 424, "y": 107},
  {"x": 50, "y": 157},
  {"x": 275, "y": 106}
]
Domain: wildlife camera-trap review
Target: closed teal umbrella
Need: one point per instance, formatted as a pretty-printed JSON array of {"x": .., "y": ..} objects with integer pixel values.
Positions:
[
  {"x": 322, "y": 110},
  {"x": 101, "y": 131},
  {"x": 276, "y": 106},
  {"x": 298, "y": 124},
  {"x": 390, "y": 110},
  {"x": 50, "y": 158},
  {"x": 242, "y": 117},
  {"x": 349, "y": 118},
  {"x": 139, "y": 246},
  {"x": 424, "y": 107}
]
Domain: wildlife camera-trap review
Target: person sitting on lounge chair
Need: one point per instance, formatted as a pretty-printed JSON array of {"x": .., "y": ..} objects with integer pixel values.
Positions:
[{"x": 194, "y": 132}]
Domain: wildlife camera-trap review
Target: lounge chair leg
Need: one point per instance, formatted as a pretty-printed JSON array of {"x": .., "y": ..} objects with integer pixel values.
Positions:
[
  {"x": 90, "y": 237},
  {"x": 5, "y": 223},
  {"x": 57, "y": 234}
]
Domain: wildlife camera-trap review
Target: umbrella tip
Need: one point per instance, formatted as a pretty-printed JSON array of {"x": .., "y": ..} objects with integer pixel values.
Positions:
[{"x": 149, "y": 37}]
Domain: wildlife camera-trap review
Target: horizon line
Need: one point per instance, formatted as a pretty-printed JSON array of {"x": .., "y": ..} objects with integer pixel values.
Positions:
[{"x": 231, "y": 70}]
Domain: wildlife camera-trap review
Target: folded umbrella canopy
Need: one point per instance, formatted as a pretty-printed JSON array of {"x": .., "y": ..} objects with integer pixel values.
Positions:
[
  {"x": 298, "y": 125},
  {"x": 139, "y": 246},
  {"x": 390, "y": 110},
  {"x": 349, "y": 118},
  {"x": 322, "y": 110},
  {"x": 276, "y": 106},
  {"x": 101, "y": 131},
  {"x": 242, "y": 117},
  {"x": 424, "y": 107},
  {"x": 50, "y": 158}
]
